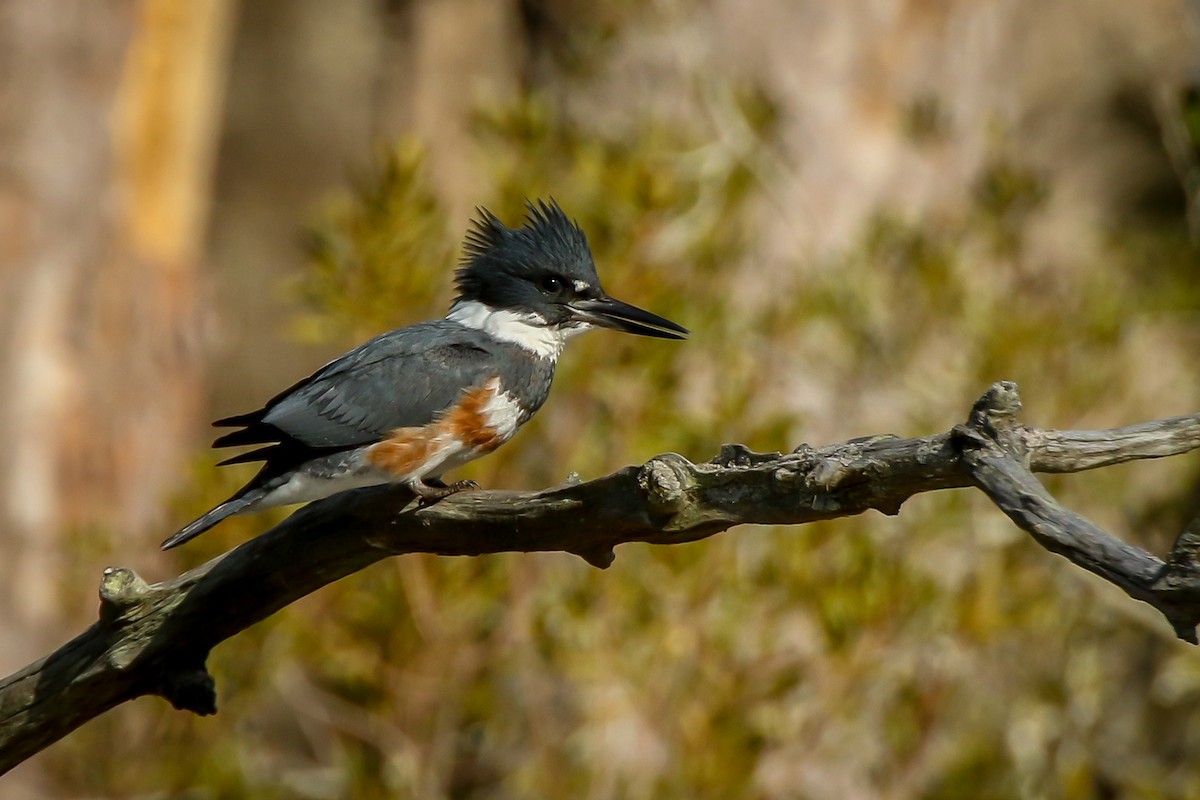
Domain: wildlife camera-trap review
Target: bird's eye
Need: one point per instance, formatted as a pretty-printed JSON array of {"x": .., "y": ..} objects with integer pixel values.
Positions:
[{"x": 551, "y": 284}]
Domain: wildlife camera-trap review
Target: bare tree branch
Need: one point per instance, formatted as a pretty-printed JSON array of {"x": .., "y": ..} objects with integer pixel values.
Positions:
[
  {"x": 1000, "y": 474},
  {"x": 155, "y": 639}
]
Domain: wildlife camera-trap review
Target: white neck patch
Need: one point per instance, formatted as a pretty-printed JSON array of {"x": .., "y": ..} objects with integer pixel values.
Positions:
[{"x": 524, "y": 330}]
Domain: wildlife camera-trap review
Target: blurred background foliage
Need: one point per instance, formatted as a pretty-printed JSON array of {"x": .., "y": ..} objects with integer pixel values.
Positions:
[{"x": 937, "y": 654}]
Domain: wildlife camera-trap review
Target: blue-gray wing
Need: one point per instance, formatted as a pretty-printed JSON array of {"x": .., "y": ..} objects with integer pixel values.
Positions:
[{"x": 400, "y": 379}]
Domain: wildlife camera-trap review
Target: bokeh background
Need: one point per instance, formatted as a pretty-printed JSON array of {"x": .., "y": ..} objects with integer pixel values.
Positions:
[{"x": 866, "y": 211}]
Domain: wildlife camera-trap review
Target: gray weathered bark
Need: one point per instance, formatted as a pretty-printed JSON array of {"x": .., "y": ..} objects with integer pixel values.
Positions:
[{"x": 154, "y": 640}]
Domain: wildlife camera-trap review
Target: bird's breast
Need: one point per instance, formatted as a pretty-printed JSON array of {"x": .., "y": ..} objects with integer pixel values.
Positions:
[
  {"x": 481, "y": 420},
  {"x": 485, "y": 418}
]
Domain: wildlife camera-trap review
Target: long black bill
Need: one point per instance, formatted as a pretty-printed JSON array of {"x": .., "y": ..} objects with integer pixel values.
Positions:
[{"x": 609, "y": 313}]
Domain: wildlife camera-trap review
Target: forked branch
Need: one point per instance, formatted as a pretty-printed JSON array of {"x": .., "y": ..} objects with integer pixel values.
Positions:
[{"x": 155, "y": 639}]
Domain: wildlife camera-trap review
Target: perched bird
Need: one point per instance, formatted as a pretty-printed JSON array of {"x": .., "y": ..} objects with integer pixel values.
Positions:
[{"x": 416, "y": 402}]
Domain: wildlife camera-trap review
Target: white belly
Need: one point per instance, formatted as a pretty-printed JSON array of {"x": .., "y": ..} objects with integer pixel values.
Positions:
[
  {"x": 305, "y": 488},
  {"x": 302, "y": 488}
]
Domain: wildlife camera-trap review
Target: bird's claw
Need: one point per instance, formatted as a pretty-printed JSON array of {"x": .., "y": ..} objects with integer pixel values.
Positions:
[{"x": 430, "y": 493}]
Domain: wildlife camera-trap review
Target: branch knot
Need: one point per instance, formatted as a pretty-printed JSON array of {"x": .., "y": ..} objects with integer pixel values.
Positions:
[
  {"x": 994, "y": 419},
  {"x": 120, "y": 589},
  {"x": 664, "y": 480}
]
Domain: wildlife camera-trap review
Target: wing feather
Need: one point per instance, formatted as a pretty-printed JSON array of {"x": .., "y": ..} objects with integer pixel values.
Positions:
[{"x": 400, "y": 379}]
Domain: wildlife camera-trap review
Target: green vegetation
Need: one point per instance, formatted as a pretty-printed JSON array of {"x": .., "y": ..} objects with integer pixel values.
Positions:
[{"x": 381, "y": 250}]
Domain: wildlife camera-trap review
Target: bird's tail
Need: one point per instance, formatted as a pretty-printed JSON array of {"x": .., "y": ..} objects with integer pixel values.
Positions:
[{"x": 241, "y": 501}]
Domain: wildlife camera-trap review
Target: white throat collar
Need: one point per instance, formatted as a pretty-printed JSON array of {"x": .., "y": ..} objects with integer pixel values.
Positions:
[{"x": 525, "y": 330}]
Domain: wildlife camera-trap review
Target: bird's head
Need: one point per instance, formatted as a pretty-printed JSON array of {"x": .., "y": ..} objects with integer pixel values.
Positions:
[{"x": 543, "y": 273}]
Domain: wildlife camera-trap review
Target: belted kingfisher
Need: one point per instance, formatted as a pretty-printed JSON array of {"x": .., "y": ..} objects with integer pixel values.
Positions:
[{"x": 416, "y": 402}]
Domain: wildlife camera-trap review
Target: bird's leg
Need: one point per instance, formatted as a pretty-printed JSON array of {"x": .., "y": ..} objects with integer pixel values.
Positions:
[{"x": 433, "y": 489}]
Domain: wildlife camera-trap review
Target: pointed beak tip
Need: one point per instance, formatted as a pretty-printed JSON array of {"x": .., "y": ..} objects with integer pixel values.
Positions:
[{"x": 676, "y": 332}]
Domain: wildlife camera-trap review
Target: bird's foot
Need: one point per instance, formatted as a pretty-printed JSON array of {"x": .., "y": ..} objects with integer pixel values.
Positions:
[{"x": 429, "y": 492}]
